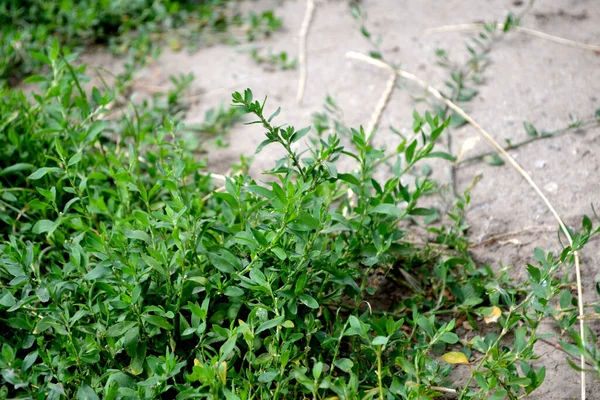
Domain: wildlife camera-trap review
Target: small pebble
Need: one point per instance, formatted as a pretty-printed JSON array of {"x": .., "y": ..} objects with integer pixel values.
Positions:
[
  {"x": 540, "y": 163},
  {"x": 551, "y": 187}
]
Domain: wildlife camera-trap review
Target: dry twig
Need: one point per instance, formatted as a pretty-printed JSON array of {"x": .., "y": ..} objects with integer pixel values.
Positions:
[
  {"x": 520, "y": 29},
  {"x": 310, "y": 7},
  {"x": 383, "y": 101},
  {"x": 438, "y": 96}
]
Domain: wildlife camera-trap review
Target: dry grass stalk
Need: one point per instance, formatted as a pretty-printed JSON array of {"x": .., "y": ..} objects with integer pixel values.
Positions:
[
  {"x": 520, "y": 29},
  {"x": 310, "y": 7}
]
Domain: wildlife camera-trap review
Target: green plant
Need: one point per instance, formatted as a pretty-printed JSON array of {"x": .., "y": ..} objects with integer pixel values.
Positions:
[
  {"x": 262, "y": 25},
  {"x": 121, "y": 277},
  {"x": 128, "y": 271},
  {"x": 280, "y": 59}
]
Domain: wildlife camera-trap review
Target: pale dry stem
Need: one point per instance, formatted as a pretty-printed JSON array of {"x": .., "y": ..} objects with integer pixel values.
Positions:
[
  {"x": 310, "y": 7},
  {"x": 520, "y": 29},
  {"x": 383, "y": 101}
]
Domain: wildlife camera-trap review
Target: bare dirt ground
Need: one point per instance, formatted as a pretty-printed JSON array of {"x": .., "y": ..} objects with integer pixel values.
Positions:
[{"x": 529, "y": 80}]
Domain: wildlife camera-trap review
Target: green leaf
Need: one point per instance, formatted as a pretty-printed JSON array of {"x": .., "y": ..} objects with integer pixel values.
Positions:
[
  {"x": 530, "y": 129},
  {"x": 43, "y": 171},
  {"x": 457, "y": 121},
  {"x": 98, "y": 272},
  {"x": 308, "y": 301},
  {"x": 29, "y": 360},
  {"x": 155, "y": 265},
  {"x": 441, "y": 154},
  {"x": 8, "y": 300},
  {"x": 500, "y": 394},
  {"x": 380, "y": 341},
  {"x": 304, "y": 222},
  {"x": 156, "y": 320},
  {"x": 388, "y": 209},
  {"x": 42, "y": 294},
  {"x": 268, "y": 376},
  {"x": 410, "y": 151},
  {"x": 35, "y": 79},
  {"x": 45, "y": 226},
  {"x": 227, "y": 348},
  {"x": 16, "y": 168},
  {"x": 493, "y": 160},
  {"x": 270, "y": 324},
  {"x": 520, "y": 338},
  {"x": 137, "y": 235},
  {"x": 449, "y": 337},
  {"x": 119, "y": 329},
  {"x": 94, "y": 130},
  {"x": 349, "y": 178},
  {"x": 261, "y": 191},
  {"x": 299, "y": 134},
  {"x": 221, "y": 263},
  {"x": 279, "y": 252},
  {"x": 233, "y": 291},
  {"x": 423, "y": 211},
  {"x": 263, "y": 144},
  {"x": 344, "y": 364},
  {"x": 276, "y": 113},
  {"x": 85, "y": 392}
]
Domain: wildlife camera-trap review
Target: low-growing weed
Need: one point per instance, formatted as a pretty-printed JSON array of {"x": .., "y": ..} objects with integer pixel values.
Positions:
[{"x": 124, "y": 274}]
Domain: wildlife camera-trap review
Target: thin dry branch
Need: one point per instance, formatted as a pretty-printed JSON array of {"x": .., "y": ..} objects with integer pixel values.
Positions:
[
  {"x": 438, "y": 96},
  {"x": 520, "y": 29},
  {"x": 310, "y": 7},
  {"x": 383, "y": 101}
]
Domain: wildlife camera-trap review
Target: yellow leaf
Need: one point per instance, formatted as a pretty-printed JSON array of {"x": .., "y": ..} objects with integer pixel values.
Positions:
[
  {"x": 222, "y": 371},
  {"x": 455, "y": 357},
  {"x": 493, "y": 316},
  {"x": 197, "y": 362}
]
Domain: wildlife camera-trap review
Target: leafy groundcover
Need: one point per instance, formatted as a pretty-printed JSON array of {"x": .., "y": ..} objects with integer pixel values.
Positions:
[{"x": 127, "y": 271}]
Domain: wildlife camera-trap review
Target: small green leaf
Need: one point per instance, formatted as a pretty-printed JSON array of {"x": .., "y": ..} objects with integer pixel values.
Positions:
[
  {"x": 423, "y": 211},
  {"x": 45, "y": 226},
  {"x": 279, "y": 252},
  {"x": 520, "y": 338},
  {"x": 388, "y": 209},
  {"x": 410, "y": 151},
  {"x": 263, "y": 144},
  {"x": 449, "y": 337},
  {"x": 530, "y": 129},
  {"x": 344, "y": 364},
  {"x": 493, "y": 160},
  {"x": 270, "y": 324},
  {"x": 97, "y": 273},
  {"x": 119, "y": 329},
  {"x": 299, "y": 134},
  {"x": 137, "y": 234},
  {"x": 380, "y": 341},
  {"x": 155, "y": 320},
  {"x": 441, "y": 154},
  {"x": 16, "y": 168},
  {"x": 349, "y": 178},
  {"x": 42, "y": 171},
  {"x": 233, "y": 291},
  {"x": 308, "y": 301},
  {"x": 85, "y": 392}
]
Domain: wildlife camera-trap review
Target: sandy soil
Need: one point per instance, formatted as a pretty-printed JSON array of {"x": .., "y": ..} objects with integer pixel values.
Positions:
[{"x": 529, "y": 79}]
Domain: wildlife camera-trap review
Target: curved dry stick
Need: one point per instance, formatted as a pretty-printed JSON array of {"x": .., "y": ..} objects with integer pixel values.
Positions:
[
  {"x": 435, "y": 93},
  {"x": 383, "y": 101},
  {"x": 527, "y": 31},
  {"x": 310, "y": 7}
]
